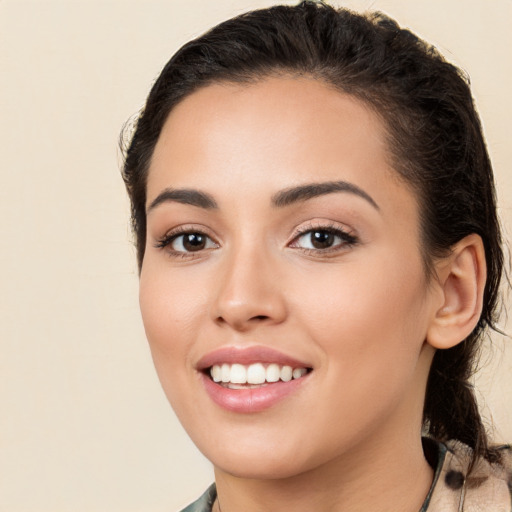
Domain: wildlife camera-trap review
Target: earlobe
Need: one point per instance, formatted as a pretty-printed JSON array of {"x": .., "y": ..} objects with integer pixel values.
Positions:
[{"x": 461, "y": 278}]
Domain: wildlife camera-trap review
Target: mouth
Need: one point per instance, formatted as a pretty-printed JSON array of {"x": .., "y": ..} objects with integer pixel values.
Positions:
[
  {"x": 251, "y": 379},
  {"x": 255, "y": 375}
]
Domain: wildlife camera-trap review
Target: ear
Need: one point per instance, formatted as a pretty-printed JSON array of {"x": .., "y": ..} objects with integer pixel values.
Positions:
[{"x": 461, "y": 279}]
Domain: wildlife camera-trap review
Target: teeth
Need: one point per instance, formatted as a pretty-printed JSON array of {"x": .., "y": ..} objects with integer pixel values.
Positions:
[
  {"x": 225, "y": 372},
  {"x": 298, "y": 373},
  {"x": 238, "y": 374},
  {"x": 216, "y": 373},
  {"x": 253, "y": 374},
  {"x": 256, "y": 374},
  {"x": 286, "y": 373},
  {"x": 273, "y": 372}
]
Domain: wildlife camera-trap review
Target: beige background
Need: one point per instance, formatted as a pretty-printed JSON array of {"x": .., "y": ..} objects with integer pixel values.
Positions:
[{"x": 84, "y": 425}]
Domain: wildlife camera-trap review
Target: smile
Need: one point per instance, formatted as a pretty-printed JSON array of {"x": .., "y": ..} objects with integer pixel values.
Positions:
[
  {"x": 239, "y": 376},
  {"x": 251, "y": 379}
]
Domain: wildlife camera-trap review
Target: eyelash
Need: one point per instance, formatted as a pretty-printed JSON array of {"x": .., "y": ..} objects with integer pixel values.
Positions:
[
  {"x": 348, "y": 240},
  {"x": 169, "y": 238}
]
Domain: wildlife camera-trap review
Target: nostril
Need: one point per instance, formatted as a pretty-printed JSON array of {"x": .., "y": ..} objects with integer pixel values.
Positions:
[{"x": 259, "y": 317}]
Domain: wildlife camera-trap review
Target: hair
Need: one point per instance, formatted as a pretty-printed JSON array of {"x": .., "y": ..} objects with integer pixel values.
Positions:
[{"x": 434, "y": 136}]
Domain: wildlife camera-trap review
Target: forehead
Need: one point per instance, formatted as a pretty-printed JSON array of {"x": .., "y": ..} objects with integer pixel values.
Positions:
[
  {"x": 271, "y": 114},
  {"x": 279, "y": 132}
]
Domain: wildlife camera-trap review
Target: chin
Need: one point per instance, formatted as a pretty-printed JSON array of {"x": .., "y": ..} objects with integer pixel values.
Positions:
[
  {"x": 258, "y": 468},
  {"x": 261, "y": 459}
]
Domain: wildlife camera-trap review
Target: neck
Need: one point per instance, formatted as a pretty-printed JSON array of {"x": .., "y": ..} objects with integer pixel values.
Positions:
[{"x": 394, "y": 476}]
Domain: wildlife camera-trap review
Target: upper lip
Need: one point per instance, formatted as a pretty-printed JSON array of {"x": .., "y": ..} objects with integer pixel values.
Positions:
[{"x": 248, "y": 355}]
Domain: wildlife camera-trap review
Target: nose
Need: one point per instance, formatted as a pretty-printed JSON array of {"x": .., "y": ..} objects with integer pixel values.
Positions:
[{"x": 249, "y": 292}]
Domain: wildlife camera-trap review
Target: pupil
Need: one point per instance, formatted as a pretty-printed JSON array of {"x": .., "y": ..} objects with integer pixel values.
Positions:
[
  {"x": 194, "y": 242},
  {"x": 322, "y": 239}
]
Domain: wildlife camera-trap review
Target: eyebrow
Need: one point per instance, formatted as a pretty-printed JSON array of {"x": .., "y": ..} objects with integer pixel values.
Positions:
[
  {"x": 184, "y": 196},
  {"x": 281, "y": 199},
  {"x": 302, "y": 193}
]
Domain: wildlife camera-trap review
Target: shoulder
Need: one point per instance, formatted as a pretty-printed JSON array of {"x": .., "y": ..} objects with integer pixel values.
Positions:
[
  {"x": 488, "y": 487},
  {"x": 205, "y": 502}
]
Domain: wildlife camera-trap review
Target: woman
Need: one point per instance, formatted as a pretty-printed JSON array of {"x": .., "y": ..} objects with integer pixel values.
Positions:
[{"x": 319, "y": 257}]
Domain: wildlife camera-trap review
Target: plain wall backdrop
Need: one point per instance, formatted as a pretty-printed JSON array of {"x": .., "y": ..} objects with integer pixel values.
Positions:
[{"x": 84, "y": 425}]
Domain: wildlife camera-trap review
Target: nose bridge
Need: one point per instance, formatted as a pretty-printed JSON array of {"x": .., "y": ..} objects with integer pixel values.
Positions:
[{"x": 248, "y": 290}]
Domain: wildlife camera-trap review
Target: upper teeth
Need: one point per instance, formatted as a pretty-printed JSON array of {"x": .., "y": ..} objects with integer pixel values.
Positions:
[{"x": 255, "y": 373}]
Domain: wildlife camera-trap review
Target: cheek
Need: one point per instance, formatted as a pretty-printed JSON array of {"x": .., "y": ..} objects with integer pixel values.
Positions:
[
  {"x": 368, "y": 326},
  {"x": 168, "y": 308},
  {"x": 367, "y": 316}
]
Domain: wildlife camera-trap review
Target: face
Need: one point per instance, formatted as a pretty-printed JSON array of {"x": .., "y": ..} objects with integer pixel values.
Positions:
[{"x": 282, "y": 249}]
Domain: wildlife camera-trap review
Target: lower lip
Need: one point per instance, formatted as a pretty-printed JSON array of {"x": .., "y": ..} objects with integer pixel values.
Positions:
[{"x": 251, "y": 399}]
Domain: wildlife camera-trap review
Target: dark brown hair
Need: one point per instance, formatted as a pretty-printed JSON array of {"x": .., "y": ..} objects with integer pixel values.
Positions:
[{"x": 434, "y": 136}]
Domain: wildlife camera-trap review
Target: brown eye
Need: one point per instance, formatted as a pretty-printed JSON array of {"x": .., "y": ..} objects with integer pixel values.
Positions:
[
  {"x": 321, "y": 239},
  {"x": 191, "y": 242},
  {"x": 324, "y": 239},
  {"x": 194, "y": 242}
]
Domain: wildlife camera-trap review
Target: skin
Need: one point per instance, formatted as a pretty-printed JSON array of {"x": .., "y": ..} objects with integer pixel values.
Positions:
[{"x": 361, "y": 314}]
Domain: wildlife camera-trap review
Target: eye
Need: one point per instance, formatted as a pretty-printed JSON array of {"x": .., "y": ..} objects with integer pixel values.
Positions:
[
  {"x": 187, "y": 242},
  {"x": 323, "y": 239},
  {"x": 191, "y": 242}
]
